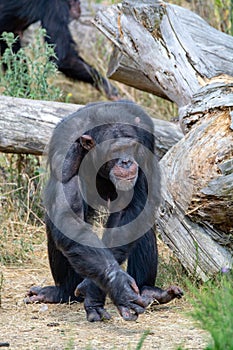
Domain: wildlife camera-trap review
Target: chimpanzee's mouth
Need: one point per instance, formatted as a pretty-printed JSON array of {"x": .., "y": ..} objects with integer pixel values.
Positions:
[
  {"x": 125, "y": 183},
  {"x": 130, "y": 178},
  {"x": 124, "y": 177}
]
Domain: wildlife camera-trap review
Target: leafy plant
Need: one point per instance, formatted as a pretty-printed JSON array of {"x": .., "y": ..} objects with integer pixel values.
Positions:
[
  {"x": 27, "y": 71},
  {"x": 213, "y": 309},
  {"x": 224, "y": 14},
  {"x": 28, "y": 74}
]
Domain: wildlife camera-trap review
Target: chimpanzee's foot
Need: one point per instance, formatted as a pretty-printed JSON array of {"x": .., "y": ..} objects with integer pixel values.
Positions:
[
  {"x": 93, "y": 302},
  {"x": 42, "y": 295},
  {"x": 96, "y": 313},
  {"x": 50, "y": 295},
  {"x": 160, "y": 295},
  {"x": 110, "y": 91}
]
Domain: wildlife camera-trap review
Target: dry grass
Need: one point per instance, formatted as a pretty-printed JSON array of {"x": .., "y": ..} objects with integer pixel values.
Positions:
[
  {"x": 40, "y": 326},
  {"x": 24, "y": 263}
]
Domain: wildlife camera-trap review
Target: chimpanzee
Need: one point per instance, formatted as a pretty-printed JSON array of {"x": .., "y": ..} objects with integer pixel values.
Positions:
[
  {"x": 102, "y": 156},
  {"x": 17, "y": 15}
]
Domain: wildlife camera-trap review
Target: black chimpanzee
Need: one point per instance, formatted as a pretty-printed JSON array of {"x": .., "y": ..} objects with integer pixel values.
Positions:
[
  {"x": 103, "y": 156},
  {"x": 17, "y": 15}
]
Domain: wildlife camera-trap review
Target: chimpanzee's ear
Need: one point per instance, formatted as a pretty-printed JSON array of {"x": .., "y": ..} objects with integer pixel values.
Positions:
[{"x": 87, "y": 142}]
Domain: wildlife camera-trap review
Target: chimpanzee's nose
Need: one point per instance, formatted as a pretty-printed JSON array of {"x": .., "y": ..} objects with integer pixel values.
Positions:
[{"x": 125, "y": 163}]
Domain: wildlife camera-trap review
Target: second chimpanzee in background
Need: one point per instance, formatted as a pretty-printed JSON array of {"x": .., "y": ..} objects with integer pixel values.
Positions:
[
  {"x": 17, "y": 15},
  {"x": 103, "y": 155}
]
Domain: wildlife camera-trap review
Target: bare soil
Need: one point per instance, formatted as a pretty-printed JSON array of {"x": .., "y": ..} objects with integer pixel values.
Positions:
[{"x": 40, "y": 326}]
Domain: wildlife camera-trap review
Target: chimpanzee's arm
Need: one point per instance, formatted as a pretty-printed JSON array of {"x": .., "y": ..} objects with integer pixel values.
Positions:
[
  {"x": 121, "y": 243},
  {"x": 86, "y": 253},
  {"x": 55, "y": 20}
]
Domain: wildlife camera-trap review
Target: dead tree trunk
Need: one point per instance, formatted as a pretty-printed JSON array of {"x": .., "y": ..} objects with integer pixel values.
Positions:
[
  {"x": 26, "y": 125},
  {"x": 173, "y": 53}
]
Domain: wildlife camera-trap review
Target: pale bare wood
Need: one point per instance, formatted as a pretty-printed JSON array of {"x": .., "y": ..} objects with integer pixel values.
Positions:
[
  {"x": 163, "y": 48},
  {"x": 26, "y": 125},
  {"x": 196, "y": 215}
]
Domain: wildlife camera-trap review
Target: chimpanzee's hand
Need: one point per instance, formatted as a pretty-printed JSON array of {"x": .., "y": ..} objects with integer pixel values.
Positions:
[{"x": 124, "y": 293}]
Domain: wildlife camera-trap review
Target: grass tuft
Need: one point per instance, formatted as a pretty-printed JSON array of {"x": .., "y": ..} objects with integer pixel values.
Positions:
[{"x": 213, "y": 309}]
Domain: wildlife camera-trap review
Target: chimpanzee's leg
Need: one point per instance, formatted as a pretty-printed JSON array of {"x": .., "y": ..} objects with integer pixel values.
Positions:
[
  {"x": 142, "y": 266},
  {"x": 55, "y": 20},
  {"x": 74, "y": 67},
  {"x": 143, "y": 261},
  {"x": 65, "y": 278},
  {"x": 94, "y": 296}
]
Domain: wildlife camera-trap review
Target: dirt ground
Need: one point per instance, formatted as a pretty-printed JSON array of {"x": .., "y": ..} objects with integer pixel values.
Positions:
[{"x": 56, "y": 327}]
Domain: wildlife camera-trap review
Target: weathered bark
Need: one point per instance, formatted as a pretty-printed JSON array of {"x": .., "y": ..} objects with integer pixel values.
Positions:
[
  {"x": 164, "y": 49},
  {"x": 196, "y": 216},
  {"x": 26, "y": 125},
  {"x": 173, "y": 53}
]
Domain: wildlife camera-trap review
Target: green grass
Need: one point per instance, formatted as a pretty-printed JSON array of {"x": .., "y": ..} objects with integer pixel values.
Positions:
[
  {"x": 142, "y": 339},
  {"x": 213, "y": 310}
]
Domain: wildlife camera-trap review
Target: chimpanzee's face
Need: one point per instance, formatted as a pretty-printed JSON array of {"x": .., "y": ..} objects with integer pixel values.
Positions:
[
  {"x": 122, "y": 168},
  {"x": 75, "y": 9}
]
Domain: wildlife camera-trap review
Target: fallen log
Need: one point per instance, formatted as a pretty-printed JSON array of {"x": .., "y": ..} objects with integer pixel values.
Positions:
[
  {"x": 26, "y": 125},
  {"x": 173, "y": 53}
]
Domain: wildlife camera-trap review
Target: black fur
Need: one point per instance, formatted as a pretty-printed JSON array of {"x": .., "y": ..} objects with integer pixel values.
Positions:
[{"x": 76, "y": 253}]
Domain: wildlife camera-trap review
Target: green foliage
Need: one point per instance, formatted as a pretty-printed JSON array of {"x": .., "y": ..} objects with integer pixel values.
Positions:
[
  {"x": 224, "y": 14},
  {"x": 70, "y": 345},
  {"x": 28, "y": 75},
  {"x": 29, "y": 70},
  {"x": 213, "y": 309}
]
